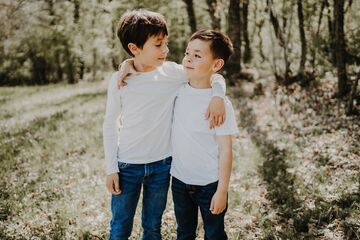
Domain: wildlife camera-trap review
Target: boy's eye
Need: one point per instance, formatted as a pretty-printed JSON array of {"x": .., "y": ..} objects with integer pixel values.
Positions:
[
  {"x": 186, "y": 54},
  {"x": 197, "y": 56},
  {"x": 160, "y": 44}
]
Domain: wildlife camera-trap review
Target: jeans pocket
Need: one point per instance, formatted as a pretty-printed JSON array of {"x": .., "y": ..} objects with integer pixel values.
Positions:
[{"x": 123, "y": 165}]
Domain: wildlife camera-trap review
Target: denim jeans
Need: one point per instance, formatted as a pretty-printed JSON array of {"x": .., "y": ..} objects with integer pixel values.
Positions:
[
  {"x": 187, "y": 200},
  {"x": 154, "y": 179}
]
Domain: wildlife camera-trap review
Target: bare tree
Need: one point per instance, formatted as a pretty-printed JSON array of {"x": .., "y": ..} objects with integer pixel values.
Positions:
[
  {"x": 350, "y": 106},
  {"x": 245, "y": 13},
  {"x": 324, "y": 3},
  {"x": 191, "y": 14},
  {"x": 76, "y": 11},
  {"x": 280, "y": 36},
  {"x": 340, "y": 47},
  {"x": 212, "y": 9},
  {"x": 302, "y": 37},
  {"x": 50, "y": 5},
  {"x": 234, "y": 65}
]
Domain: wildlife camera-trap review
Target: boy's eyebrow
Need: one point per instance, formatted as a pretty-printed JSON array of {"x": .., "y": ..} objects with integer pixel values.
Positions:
[
  {"x": 196, "y": 50},
  {"x": 160, "y": 38}
]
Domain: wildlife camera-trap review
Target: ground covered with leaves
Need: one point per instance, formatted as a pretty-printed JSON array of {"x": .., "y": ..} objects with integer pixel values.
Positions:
[{"x": 295, "y": 175}]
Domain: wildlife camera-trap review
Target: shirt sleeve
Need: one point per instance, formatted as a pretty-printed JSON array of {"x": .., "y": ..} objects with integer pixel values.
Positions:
[
  {"x": 230, "y": 126},
  {"x": 179, "y": 71},
  {"x": 218, "y": 85},
  {"x": 110, "y": 125}
]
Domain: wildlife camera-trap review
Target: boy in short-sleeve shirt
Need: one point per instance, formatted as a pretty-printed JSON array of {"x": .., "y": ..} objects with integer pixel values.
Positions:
[{"x": 202, "y": 157}]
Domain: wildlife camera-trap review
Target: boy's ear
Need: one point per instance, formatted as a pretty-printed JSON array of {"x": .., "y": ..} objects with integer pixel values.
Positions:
[
  {"x": 133, "y": 48},
  {"x": 218, "y": 64}
]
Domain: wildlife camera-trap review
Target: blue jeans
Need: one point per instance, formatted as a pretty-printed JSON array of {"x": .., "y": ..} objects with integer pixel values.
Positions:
[
  {"x": 187, "y": 200},
  {"x": 154, "y": 179}
]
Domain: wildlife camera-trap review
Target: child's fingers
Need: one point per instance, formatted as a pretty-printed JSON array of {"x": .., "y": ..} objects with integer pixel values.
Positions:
[
  {"x": 211, "y": 124},
  {"x": 207, "y": 114},
  {"x": 221, "y": 120},
  {"x": 220, "y": 210},
  {"x": 215, "y": 211},
  {"x": 212, "y": 205},
  {"x": 117, "y": 187},
  {"x": 217, "y": 120},
  {"x": 121, "y": 80},
  {"x": 122, "y": 83}
]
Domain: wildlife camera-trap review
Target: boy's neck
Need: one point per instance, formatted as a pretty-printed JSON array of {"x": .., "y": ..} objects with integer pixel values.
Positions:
[
  {"x": 200, "y": 83},
  {"x": 140, "y": 67}
]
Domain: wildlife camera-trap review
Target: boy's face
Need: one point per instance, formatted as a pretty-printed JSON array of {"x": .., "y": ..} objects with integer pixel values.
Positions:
[
  {"x": 198, "y": 61},
  {"x": 153, "y": 53}
]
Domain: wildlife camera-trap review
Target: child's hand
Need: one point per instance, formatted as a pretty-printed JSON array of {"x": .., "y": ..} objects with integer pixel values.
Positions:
[
  {"x": 218, "y": 202},
  {"x": 126, "y": 68},
  {"x": 216, "y": 112},
  {"x": 113, "y": 183}
]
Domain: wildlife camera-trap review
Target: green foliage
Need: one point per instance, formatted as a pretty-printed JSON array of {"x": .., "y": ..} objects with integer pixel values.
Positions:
[{"x": 74, "y": 40}]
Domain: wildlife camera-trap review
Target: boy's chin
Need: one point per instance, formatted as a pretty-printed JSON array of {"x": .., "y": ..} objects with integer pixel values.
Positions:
[
  {"x": 189, "y": 76},
  {"x": 160, "y": 62},
  {"x": 189, "y": 73}
]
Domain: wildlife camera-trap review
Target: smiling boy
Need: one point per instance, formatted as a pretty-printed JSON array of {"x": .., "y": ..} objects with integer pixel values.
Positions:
[{"x": 202, "y": 157}]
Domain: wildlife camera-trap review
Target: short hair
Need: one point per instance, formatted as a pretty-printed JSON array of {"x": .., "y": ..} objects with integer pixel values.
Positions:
[
  {"x": 220, "y": 44},
  {"x": 138, "y": 25}
]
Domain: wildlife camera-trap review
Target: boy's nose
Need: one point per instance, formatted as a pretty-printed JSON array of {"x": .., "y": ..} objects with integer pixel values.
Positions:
[
  {"x": 166, "y": 49},
  {"x": 187, "y": 58}
]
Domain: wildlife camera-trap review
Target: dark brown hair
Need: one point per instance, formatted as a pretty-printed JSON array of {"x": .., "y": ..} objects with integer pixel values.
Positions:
[
  {"x": 138, "y": 25},
  {"x": 220, "y": 44}
]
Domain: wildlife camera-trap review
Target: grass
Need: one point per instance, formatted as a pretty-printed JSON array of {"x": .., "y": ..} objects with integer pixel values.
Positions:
[
  {"x": 286, "y": 184},
  {"x": 312, "y": 190}
]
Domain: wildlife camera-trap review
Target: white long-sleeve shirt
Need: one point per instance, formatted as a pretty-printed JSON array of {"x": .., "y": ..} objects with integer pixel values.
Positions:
[{"x": 138, "y": 118}]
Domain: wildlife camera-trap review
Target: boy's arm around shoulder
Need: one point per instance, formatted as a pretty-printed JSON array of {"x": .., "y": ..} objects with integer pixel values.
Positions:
[
  {"x": 218, "y": 85},
  {"x": 126, "y": 69},
  {"x": 216, "y": 109}
]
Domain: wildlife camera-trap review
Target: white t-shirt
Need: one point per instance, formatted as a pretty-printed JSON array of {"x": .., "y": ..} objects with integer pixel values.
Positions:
[
  {"x": 195, "y": 150},
  {"x": 138, "y": 117}
]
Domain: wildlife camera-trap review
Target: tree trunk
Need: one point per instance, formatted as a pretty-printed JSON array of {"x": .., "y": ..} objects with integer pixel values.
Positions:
[
  {"x": 275, "y": 23},
  {"x": 245, "y": 13},
  {"x": 302, "y": 37},
  {"x": 340, "y": 47},
  {"x": 280, "y": 36},
  {"x": 59, "y": 70},
  {"x": 191, "y": 15},
  {"x": 215, "y": 20},
  {"x": 331, "y": 27},
  {"x": 350, "y": 106},
  {"x": 50, "y": 4},
  {"x": 234, "y": 65},
  {"x": 114, "y": 60},
  {"x": 313, "y": 49},
  {"x": 76, "y": 11}
]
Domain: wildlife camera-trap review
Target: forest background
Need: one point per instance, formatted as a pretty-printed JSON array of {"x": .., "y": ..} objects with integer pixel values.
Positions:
[{"x": 293, "y": 80}]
